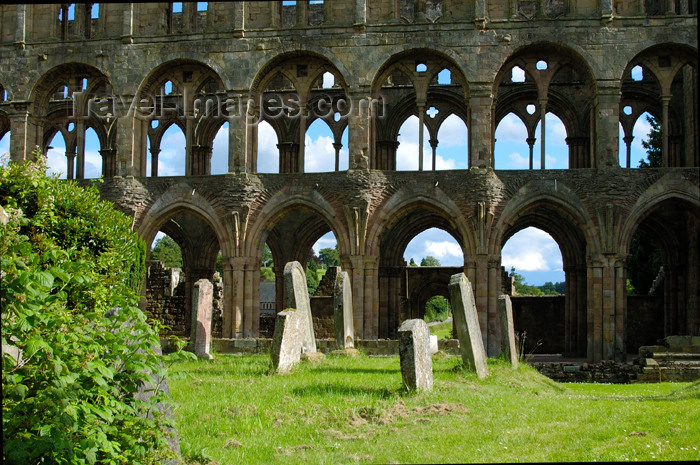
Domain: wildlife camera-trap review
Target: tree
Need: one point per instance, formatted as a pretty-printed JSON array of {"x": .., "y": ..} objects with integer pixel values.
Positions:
[
  {"x": 430, "y": 261},
  {"x": 437, "y": 308},
  {"x": 644, "y": 261},
  {"x": 69, "y": 374},
  {"x": 412, "y": 262},
  {"x": 653, "y": 145},
  {"x": 329, "y": 257},
  {"x": 522, "y": 288},
  {"x": 167, "y": 251},
  {"x": 266, "y": 272}
]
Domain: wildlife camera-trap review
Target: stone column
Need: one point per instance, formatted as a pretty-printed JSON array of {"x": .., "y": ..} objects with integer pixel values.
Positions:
[
  {"x": 154, "y": 162},
  {"x": 421, "y": 126},
  {"x": 26, "y": 132},
  {"x": 607, "y": 305},
  {"x": 531, "y": 143},
  {"x": 543, "y": 114},
  {"x": 131, "y": 143},
  {"x": 359, "y": 131},
  {"x": 80, "y": 148},
  {"x": 607, "y": 123},
  {"x": 238, "y": 125},
  {"x": 628, "y": 143},
  {"x": 480, "y": 142},
  {"x": 288, "y": 161},
  {"x": 433, "y": 146},
  {"x": 337, "y": 146},
  {"x": 386, "y": 155},
  {"x": 20, "y": 33},
  {"x": 665, "y": 100},
  {"x": 109, "y": 162},
  {"x": 70, "y": 165},
  {"x": 227, "y": 311},
  {"x": 578, "y": 151},
  {"x": 201, "y": 160},
  {"x": 302, "y": 14},
  {"x": 302, "y": 130},
  {"x": 360, "y": 13}
]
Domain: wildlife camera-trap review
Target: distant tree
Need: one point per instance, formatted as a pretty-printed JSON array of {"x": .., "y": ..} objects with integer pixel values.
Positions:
[
  {"x": 412, "y": 263},
  {"x": 267, "y": 257},
  {"x": 437, "y": 308},
  {"x": 560, "y": 287},
  {"x": 167, "y": 251},
  {"x": 521, "y": 287},
  {"x": 653, "y": 145},
  {"x": 312, "y": 278},
  {"x": 329, "y": 256},
  {"x": 430, "y": 261},
  {"x": 548, "y": 288}
]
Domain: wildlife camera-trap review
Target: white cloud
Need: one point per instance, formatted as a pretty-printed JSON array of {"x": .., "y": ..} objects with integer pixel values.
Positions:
[
  {"x": 171, "y": 159},
  {"x": 319, "y": 155},
  {"x": 518, "y": 161},
  {"x": 443, "y": 249},
  {"x": 512, "y": 129},
  {"x": 531, "y": 249},
  {"x": 555, "y": 131},
  {"x": 453, "y": 133},
  {"x": 442, "y": 164}
]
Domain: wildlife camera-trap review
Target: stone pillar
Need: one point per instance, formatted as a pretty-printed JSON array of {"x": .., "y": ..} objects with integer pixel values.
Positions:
[
  {"x": 80, "y": 148},
  {"x": 131, "y": 143},
  {"x": 531, "y": 143},
  {"x": 289, "y": 157},
  {"x": 433, "y": 146},
  {"x": 228, "y": 317},
  {"x": 202, "y": 305},
  {"x": 359, "y": 131},
  {"x": 238, "y": 123},
  {"x": 337, "y": 146},
  {"x": 480, "y": 142},
  {"x": 421, "y": 127},
  {"x": 543, "y": 114},
  {"x": 386, "y": 155},
  {"x": 109, "y": 162},
  {"x": 70, "y": 164},
  {"x": 26, "y": 132},
  {"x": 607, "y": 123},
  {"x": 302, "y": 14},
  {"x": 607, "y": 302},
  {"x": 628, "y": 143},
  {"x": 578, "y": 151},
  {"x": 20, "y": 33},
  {"x": 303, "y": 111},
  {"x": 201, "y": 160},
  {"x": 665, "y": 99},
  {"x": 508, "y": 346},
  {"x": 360, "y": 14},
  {"x": 154, "y": 162}
]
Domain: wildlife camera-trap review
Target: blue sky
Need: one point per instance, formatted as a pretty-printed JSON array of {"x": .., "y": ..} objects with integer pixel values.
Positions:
[{"x": 532, "y": 252}]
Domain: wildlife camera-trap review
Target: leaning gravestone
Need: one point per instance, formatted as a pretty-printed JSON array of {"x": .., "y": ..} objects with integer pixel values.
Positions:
[
  {"x": 297, "y": 297},
  {"x": 202, "y": 303},
  {"x": 147, "y": 390},
  {"x": 467, "y": 324},
  {"x": 505, "y": 314},
  {"x": 414, "y": 351},
  {"x": 287, "y": 340},
  {"x": 342, "y": 312}
]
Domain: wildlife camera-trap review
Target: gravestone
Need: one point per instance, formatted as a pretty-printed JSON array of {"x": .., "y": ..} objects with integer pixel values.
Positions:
[
  {"x": 414, "y": 351},
  {"x": 505, "y": 316},
  {"x": 147, "y": 390},
  {"x": 342, "y": 312},
  {"x": 434, "y": 344},
  {"x": 287, "y": 340},
  {"x": 297, "y": 297},
  {"x": 467, "y": 324},
  {"x": 202, "y": 304}
]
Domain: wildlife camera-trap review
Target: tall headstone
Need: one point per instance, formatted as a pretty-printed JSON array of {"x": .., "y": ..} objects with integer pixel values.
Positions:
[
  {"x": 414, "y": 351},
  {"x": 342, "y": 312},
  {"x": 202, "y": 304},
  {"x": 287, "y": 340},
  {"x": 297, "y": 297},
  {"x": 467, "y": 324},
  {"x": 505, "y": 316}
]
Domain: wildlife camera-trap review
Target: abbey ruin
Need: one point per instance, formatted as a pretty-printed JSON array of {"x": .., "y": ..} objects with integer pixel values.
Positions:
[{"x": 135, "y": 69}]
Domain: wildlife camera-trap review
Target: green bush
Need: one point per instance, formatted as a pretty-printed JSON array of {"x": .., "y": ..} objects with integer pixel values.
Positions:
[{"x": 68, "y": 372}]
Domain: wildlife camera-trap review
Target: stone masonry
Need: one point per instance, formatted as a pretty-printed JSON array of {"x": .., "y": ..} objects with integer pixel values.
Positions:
[{"x": 366, "y": 67}]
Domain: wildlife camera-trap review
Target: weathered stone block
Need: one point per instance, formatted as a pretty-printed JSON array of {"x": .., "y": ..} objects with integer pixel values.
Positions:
[
  {"x": 505, "y": 314},
  {"x": 467, "y": 324},
  {"x": 342, "y": 306},
  {"x": 202, "y": 297},
  {"x": 297, "y": 297},
  {"x": 287, "y": 341},
  {"x": 414, "y": 351}
]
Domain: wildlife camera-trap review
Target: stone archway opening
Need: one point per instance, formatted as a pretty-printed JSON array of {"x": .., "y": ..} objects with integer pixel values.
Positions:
[
  {"x": 662, "y": 271},
  {"x": 549, "y": 239},
  {"x": 186, "y": 249}
]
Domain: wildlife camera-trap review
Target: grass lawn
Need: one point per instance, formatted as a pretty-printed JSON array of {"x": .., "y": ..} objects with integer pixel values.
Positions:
[
  {"x": 442, "y": 330},
  {"x": 343, "y": 410}
]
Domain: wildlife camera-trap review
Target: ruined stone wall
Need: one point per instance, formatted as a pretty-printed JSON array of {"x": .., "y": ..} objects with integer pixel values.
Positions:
[
  {"x": 542, "y": 320},
  {"x": 165, "y": 302}
]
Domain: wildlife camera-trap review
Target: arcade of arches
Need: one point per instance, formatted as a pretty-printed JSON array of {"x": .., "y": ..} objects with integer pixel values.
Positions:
[{"x": 366, "y": 68}]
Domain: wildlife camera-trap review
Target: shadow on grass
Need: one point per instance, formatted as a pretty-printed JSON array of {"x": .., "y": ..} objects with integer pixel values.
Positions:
[
  {"x": 345, "y": 390},
  {"x": 371, "y": 371}
]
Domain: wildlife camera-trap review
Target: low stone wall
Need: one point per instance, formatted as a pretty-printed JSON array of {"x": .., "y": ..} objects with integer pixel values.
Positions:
[
  {"x": 322, "y": 314},
  {"x": 542, "y": 321},
  {"x": 603, "y": 372}
]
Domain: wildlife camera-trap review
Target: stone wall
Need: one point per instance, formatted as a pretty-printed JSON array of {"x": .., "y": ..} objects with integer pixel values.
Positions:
[
  {"x": 645, "y": 317},
  {"x": 542, "y": 320},
  {"x": 165, "y": 299}
]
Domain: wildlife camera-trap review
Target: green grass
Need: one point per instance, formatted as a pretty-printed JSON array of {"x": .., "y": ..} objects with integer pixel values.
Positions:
[
  {"x": 344, "y": 410},
  {"x": 442, "y": 330}
]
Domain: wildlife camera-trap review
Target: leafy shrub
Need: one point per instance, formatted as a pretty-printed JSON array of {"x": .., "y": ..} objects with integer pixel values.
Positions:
[
  {"x": 68, "y": 372},
  {"x": 437, "y": 308}
]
